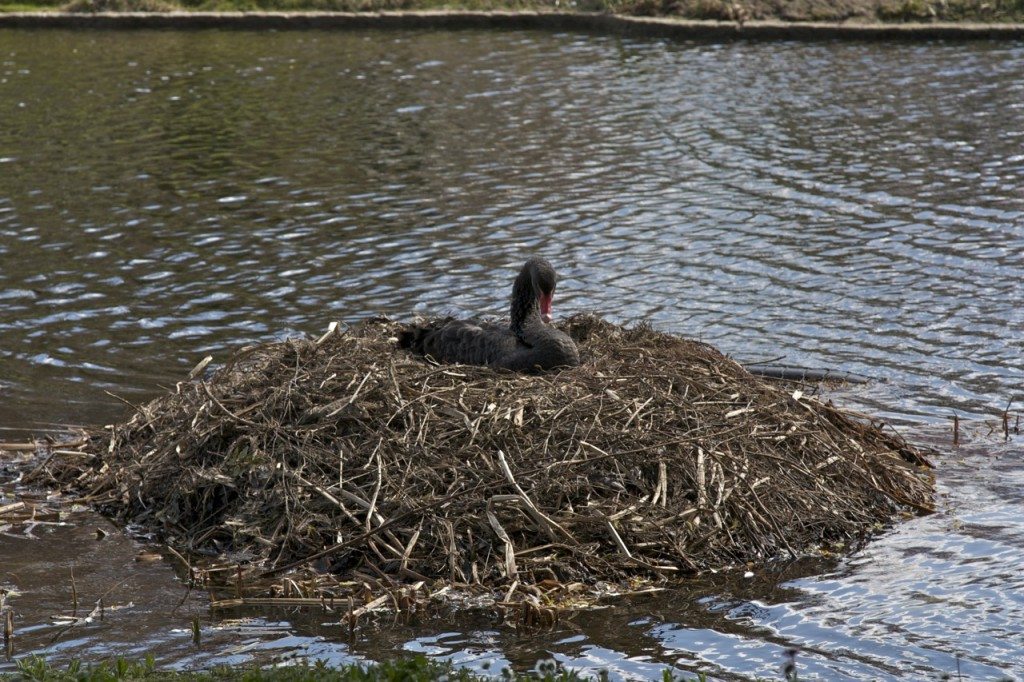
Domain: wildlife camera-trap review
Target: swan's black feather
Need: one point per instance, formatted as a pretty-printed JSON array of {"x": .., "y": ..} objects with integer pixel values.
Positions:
[{"x": 527, "y": 344}]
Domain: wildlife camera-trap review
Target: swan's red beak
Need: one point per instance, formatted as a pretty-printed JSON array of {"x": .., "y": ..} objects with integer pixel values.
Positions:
[{"x": 545, "y": 307}]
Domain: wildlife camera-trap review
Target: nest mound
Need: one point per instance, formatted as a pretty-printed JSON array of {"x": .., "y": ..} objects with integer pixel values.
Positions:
[{"x": 657, "y": 456}]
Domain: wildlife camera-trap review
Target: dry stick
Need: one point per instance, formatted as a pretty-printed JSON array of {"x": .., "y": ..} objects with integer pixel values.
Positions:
[
  {"x": 74, "y": 453},
  {"x": 511, "y": 572},
  {"x": 359, "y": 388},
  {"x": 662, "y": 568},
  {"x": 352, "y": 498},
  {"x": 605, "y": 455},
  {"x": 408, "y": 548},
  {"x": 618, "y": 540},
  {"x": 662, "y": 488},
  {"x": 370, "y": 606},
  {"x": 453, "y": 566},
  {"x": 395, "y": 543},
  {"x": 21, "y": 447},
  {"x": 333, "y": 549},
  {"x": 541, "y": 548},
  {"x": 702, "y": 494},
  {"x": 8, "y": 625},
  {"x": 511, "y": 590},
  {"x": 636, "y": 412},
  {"x": 403, "y": 407},
  {"x": 624, "y": 512},
  {"x": 74, "y": 594},
  {"x": 1006, "y": 420},
  {"x": 376, "y": 490},
  {"x": 331, "y": 328},
  {"x": 546, "y": 523},
  {"x": 341, "y": 466},
  {"x": 97, "y": 612},
  {"x": 771, "y": 521},
  {"x": 11, "y": 508},
  {"x": 231, "y": 414},
  {"x": 896, "y": 497},
  {"x": 189, "y": 583},
  {"x": 197, "y": 370}
]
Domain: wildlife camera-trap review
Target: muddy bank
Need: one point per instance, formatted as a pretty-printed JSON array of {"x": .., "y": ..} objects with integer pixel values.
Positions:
[{"x": 650, "y": 26}]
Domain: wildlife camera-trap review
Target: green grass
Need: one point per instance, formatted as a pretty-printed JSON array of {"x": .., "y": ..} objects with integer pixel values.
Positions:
[{"x": 401, "y": 670}]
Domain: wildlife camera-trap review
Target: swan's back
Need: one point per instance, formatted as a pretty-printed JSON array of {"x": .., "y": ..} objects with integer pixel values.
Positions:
[
  {"x": 461, "y": 341},
  {"x": 468, "y": 343}
]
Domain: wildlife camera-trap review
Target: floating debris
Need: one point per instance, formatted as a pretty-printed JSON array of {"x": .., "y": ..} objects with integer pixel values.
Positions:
[{"x": 343, "y": 468}]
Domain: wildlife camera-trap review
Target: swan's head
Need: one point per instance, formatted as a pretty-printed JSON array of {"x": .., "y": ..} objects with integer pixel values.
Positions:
[{"x": 543, "y": 279}]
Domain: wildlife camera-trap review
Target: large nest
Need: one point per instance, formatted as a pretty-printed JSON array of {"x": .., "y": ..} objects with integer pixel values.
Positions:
[{"x": 657, "y": 456}]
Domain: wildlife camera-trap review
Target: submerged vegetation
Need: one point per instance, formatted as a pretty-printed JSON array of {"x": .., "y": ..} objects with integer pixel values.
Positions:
[{"x": 344, "y": 470}]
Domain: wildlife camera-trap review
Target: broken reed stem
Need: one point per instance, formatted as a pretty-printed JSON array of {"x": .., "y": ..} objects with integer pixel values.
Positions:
[
  {"x": 543, "y": 521},
  {"x": 618, "y": 540}
]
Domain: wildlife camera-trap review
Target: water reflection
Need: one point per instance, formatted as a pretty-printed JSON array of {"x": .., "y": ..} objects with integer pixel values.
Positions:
[
  {"x": 854, "y": 205},
  {"x": 166, "y": 195}
]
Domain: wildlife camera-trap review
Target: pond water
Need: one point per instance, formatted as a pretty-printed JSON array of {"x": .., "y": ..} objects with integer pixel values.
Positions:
[{"x": 167, "y": 195}]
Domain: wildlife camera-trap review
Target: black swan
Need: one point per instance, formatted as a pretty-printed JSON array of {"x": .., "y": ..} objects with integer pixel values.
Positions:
[{"x": 528, "y": 343}]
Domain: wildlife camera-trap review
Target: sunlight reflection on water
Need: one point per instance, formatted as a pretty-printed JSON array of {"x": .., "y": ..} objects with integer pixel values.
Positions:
[{"x": 166, "y": 195}]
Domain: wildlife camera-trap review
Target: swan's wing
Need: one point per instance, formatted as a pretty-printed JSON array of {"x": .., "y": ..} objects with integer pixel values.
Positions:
[
  {"x": 548, "y": 350},
  {"x": 472, "y": 343},
  {"x": 464, "y": 342}
]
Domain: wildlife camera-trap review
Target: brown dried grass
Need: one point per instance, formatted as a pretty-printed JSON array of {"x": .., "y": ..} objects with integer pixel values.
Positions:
[{"x": 351, "y": 461}]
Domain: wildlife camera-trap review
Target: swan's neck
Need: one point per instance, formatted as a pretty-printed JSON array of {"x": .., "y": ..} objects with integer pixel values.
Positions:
[{"x": 524, "y": 312}]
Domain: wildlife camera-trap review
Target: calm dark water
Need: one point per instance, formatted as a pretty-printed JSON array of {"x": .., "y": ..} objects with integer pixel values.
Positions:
[{"x": 168, "y": 195}]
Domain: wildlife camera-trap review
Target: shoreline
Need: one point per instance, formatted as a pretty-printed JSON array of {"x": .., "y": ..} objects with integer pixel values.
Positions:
[{"x": 616, "y": 24}]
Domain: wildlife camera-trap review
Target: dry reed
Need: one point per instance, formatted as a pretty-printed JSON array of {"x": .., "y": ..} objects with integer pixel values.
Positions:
[{"x": 313, "y": 469}]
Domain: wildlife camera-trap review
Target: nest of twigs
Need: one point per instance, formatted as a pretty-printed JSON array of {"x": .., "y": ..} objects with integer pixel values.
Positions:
[{"x": 344, "y": 456}]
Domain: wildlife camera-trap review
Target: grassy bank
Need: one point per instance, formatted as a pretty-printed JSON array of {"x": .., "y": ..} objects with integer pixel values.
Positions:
[{"x": 859, "y": 11}]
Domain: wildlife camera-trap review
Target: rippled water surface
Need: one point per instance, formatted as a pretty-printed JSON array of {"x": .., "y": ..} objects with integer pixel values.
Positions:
[{"x": 167, "y": 195}]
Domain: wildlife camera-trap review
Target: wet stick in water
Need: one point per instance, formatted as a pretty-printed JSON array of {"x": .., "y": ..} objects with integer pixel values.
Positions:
[
  {"x": 8, "y": 617},
  {"x": 8, "y": 624}
]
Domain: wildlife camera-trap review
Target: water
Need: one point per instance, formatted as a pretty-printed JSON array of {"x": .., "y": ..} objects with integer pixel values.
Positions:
[{"x": 168, "y": 195}]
